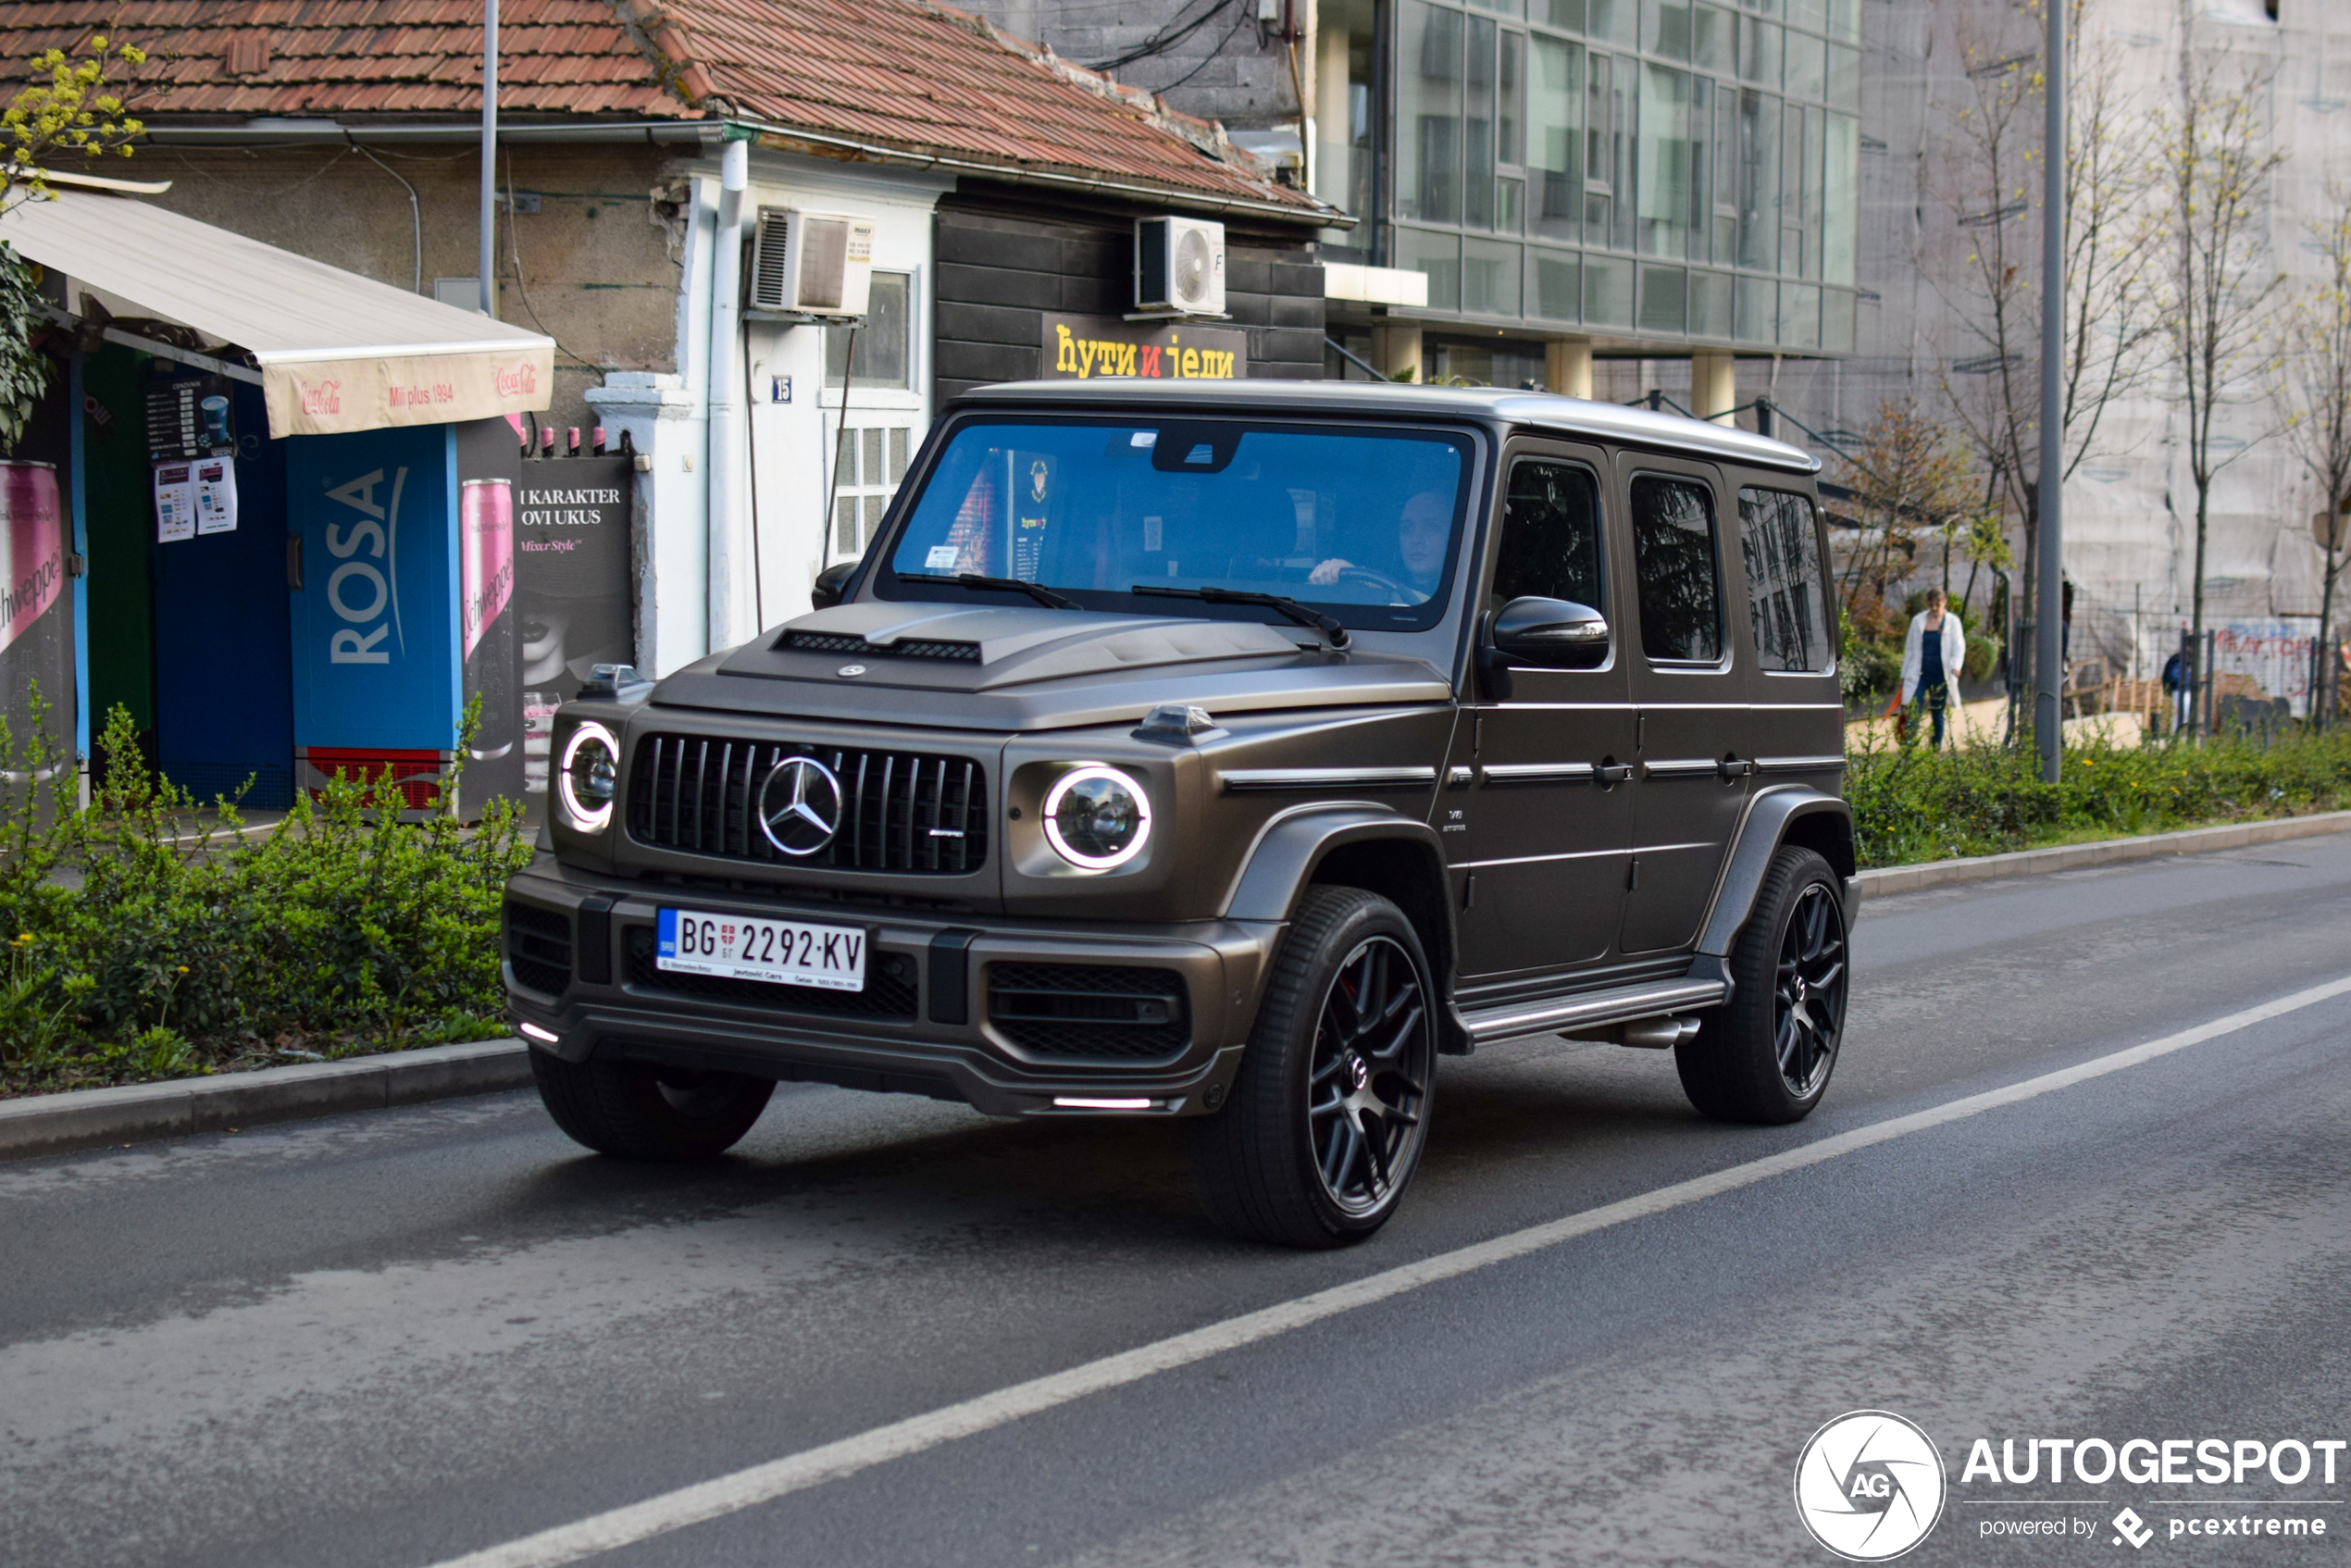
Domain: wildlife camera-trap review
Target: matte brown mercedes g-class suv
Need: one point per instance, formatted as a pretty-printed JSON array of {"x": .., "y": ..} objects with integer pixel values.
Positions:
[{"x": 1227, "y": 752}]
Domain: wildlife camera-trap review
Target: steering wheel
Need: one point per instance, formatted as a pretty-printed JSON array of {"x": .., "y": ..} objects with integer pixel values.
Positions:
[{"x": 1397, "y": 592}]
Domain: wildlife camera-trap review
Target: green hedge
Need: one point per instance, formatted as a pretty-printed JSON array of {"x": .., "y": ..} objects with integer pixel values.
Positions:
[
  {"x": 146, "y": 939},
  {"x": 1912, "y": 804}
]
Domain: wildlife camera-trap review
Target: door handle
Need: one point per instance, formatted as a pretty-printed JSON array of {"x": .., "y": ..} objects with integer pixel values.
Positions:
[
  {"x": 1734, "y": 767},
  {"x": 293, "y": 563},
  {"x": 1610, "y": 772}
]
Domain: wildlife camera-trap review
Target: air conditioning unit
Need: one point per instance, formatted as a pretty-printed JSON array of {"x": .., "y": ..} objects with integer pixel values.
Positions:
[
  {"x": 1180, "y": 267},
  {"x": 812, "y": 263}
]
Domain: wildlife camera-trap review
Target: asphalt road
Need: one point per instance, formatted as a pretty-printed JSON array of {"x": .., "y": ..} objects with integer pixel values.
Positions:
[{"x": 401, "y": 1338}]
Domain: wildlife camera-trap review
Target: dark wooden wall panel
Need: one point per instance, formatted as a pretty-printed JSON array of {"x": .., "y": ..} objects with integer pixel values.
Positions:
[{"x": 999, "y": 273}]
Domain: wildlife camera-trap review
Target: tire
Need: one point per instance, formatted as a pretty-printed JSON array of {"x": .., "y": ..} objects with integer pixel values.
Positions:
[
  {"x": 1765, "y": 1056},
  {"x": 639, "y": 1111},
  {"x": 1324, "y": 1088}
]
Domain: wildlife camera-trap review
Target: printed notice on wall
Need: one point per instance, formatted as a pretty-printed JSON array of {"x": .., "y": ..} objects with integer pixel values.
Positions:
[
  {"x": 216, "y": 491},
  {"x": 175, "y": 503}
]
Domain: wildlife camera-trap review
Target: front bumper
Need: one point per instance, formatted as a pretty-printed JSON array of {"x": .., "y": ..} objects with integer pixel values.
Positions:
[{"x": 937, "y": 1035}]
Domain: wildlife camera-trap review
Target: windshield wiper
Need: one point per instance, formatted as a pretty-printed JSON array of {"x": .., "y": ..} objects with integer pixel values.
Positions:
[
  {"x": 1289, "y": 608},
  {"x": 1036, "y": 590}
]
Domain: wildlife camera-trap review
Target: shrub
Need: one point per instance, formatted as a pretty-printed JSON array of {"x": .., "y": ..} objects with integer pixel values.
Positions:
[
  {"x": 1911, "y": 803},
  {"x": 146, "y": 939}
]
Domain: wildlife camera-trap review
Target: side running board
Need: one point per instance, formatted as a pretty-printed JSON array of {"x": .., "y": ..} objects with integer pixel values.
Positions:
[{"x": 1595, "y": 1009}]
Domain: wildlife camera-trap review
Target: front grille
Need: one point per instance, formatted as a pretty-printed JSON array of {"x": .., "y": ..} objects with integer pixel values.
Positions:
[
  {"x": 1088, "y": 1011},
  {"x": 901, "y": 811},
  {"x": 906, "y": 648},
  {"x": 538, "y": 946},
  {"x": 889, "y": 985}
]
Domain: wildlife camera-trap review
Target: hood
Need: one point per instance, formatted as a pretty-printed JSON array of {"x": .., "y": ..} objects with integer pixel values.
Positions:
[{"x": 1017, "y": 669}]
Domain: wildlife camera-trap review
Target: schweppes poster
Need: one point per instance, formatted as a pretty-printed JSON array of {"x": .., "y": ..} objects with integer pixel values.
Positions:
[{"x": 1083, "y": 347}]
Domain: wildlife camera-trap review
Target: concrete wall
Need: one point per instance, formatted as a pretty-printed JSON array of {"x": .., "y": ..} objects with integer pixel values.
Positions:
[
  {"x": 1221, "y": 71},
  {"x": 2129, "y": 509},
  {"x": 598, "y": 271}
]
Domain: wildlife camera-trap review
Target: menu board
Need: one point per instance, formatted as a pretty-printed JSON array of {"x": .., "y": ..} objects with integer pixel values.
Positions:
[{"x": 191, "y": 416}]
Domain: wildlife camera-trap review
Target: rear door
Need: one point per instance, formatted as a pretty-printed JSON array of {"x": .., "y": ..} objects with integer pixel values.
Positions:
[
  {"x": 1693, "y": 728},
  {"x": 1537, "y": 827}
]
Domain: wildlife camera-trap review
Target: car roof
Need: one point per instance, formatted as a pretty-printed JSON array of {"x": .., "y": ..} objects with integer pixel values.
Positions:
[{"x": 1545, "y": 412}]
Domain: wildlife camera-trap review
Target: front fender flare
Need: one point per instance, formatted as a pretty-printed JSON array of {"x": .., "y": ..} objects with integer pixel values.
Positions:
[
  {"x": 1762, "y": 832},
  {"x": 1295, "y": 842}
]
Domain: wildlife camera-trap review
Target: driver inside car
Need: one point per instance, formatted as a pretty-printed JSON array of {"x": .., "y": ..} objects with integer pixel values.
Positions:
[{"x": 1422, "y": 532}]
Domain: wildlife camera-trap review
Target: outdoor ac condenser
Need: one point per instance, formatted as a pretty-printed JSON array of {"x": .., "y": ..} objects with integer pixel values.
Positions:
[
  {"x": 1180, "y": 267},
  {"x": 812, "y": 263}
]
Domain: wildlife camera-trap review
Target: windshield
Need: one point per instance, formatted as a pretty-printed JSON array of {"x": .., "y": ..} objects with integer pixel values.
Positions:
[{"x": 1360, "y": 523}]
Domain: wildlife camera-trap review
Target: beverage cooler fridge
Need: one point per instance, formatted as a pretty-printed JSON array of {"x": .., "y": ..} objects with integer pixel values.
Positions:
[{"x": 401, "y": 572}]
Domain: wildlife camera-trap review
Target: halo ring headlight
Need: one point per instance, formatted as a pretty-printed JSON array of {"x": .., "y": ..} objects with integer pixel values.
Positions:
[
  {"x": 1096, "y": 817},
  {"x": 588, "y": 777}
]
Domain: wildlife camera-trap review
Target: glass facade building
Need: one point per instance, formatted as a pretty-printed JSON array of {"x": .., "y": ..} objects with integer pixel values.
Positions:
[{"x": 1629, "y": 170}]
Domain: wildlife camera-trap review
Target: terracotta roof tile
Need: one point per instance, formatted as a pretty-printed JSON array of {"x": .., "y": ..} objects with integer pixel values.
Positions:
[{"x": 907, "y": 75}]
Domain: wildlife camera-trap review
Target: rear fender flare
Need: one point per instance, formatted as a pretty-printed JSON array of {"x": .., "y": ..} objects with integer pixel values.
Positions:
[{"x": 1771, "y": 818}]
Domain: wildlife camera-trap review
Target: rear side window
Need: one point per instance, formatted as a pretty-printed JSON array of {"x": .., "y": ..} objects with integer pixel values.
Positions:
[
  {"x": 1673, "y": 556},
  {"x": 1550, "y": 536},
  {"x": 1787, "y": 591}
]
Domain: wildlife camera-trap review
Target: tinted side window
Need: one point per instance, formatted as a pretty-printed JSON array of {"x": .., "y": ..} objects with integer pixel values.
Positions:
[
  {"x": 1787, "y": 592},
  {"x": 1550, "y": 536},
  {"x": 1673, "y": 556}
]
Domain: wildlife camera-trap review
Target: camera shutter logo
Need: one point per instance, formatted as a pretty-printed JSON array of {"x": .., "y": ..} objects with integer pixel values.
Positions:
[
  {"x": 1870, "y": 1486},
  {"x": 800, "y": 806}
]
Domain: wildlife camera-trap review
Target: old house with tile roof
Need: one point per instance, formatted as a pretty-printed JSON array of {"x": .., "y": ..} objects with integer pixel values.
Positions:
[{"x": 1002, "y": 185}]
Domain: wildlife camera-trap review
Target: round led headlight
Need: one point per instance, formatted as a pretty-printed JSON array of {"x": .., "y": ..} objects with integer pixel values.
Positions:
[
  {"x": 587, "y": 778},
  {"x": 1097, "y": 817}
]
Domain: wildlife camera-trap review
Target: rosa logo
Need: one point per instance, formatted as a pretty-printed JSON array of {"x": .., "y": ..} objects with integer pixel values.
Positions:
[{"x": 1869, "y": 1486}]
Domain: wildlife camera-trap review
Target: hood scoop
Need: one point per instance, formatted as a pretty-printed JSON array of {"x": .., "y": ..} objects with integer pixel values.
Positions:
[
  {"x": 851, "y": 644},
  {"x": 975, "y": 648}
]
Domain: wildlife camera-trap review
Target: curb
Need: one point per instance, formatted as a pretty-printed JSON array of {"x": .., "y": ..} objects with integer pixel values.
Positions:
[
  {"x": 90, "y": 1118},
  {"x": 2066, "y": 857}
]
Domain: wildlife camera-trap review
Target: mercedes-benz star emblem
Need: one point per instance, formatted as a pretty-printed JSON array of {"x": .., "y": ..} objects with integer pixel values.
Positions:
[{"x": 800, "y": 806}]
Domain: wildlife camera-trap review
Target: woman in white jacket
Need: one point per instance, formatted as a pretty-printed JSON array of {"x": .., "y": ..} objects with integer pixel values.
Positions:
[{"x": 1931, "y": 654}]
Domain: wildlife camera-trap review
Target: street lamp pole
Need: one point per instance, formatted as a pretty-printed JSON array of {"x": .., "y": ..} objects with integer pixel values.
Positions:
[
  {"x": 2048, "y": 638},
  {"x": 489, "y": 262}
]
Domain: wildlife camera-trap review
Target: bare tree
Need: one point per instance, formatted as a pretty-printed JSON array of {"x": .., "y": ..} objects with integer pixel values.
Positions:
[
  {"x": 1993, "y": 385},
  {"x": 1910, "y": 479},
  {"x": 2314, "y": 401},
  {"x": 2215, "y": 165}
]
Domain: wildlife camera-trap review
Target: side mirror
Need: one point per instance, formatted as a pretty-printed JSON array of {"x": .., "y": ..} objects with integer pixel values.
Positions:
[
  {"x": 1555, "y": 633},
  {"x": 831, "y": 584}
]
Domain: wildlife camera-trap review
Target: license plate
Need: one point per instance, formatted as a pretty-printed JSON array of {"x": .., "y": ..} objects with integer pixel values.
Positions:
[{"x": 736, "y": 946}]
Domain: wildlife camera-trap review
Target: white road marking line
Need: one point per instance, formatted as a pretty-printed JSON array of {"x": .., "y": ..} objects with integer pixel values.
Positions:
[{"x": 813, "y": 1467}]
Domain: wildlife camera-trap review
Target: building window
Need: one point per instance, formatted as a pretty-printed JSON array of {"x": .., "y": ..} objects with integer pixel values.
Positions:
[
  {"x": 885, "y": 343},
  {"x": 873, "y": 465},
  {"x": 1677, "y": 130}
]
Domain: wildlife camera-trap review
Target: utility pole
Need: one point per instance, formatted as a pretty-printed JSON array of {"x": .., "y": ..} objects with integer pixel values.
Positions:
[
  {"x": 489, "y": 266},
  {"x": 2048, "y": 649}
]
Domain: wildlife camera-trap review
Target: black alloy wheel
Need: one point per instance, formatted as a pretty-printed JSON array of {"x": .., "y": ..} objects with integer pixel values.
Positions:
[
  {"x": 1808, "y": 1011},
  {"x": 1329, "y": 1109},
  {"x": 1369, "y": 1079},
  {"x": 1766, "y": 1054}
]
